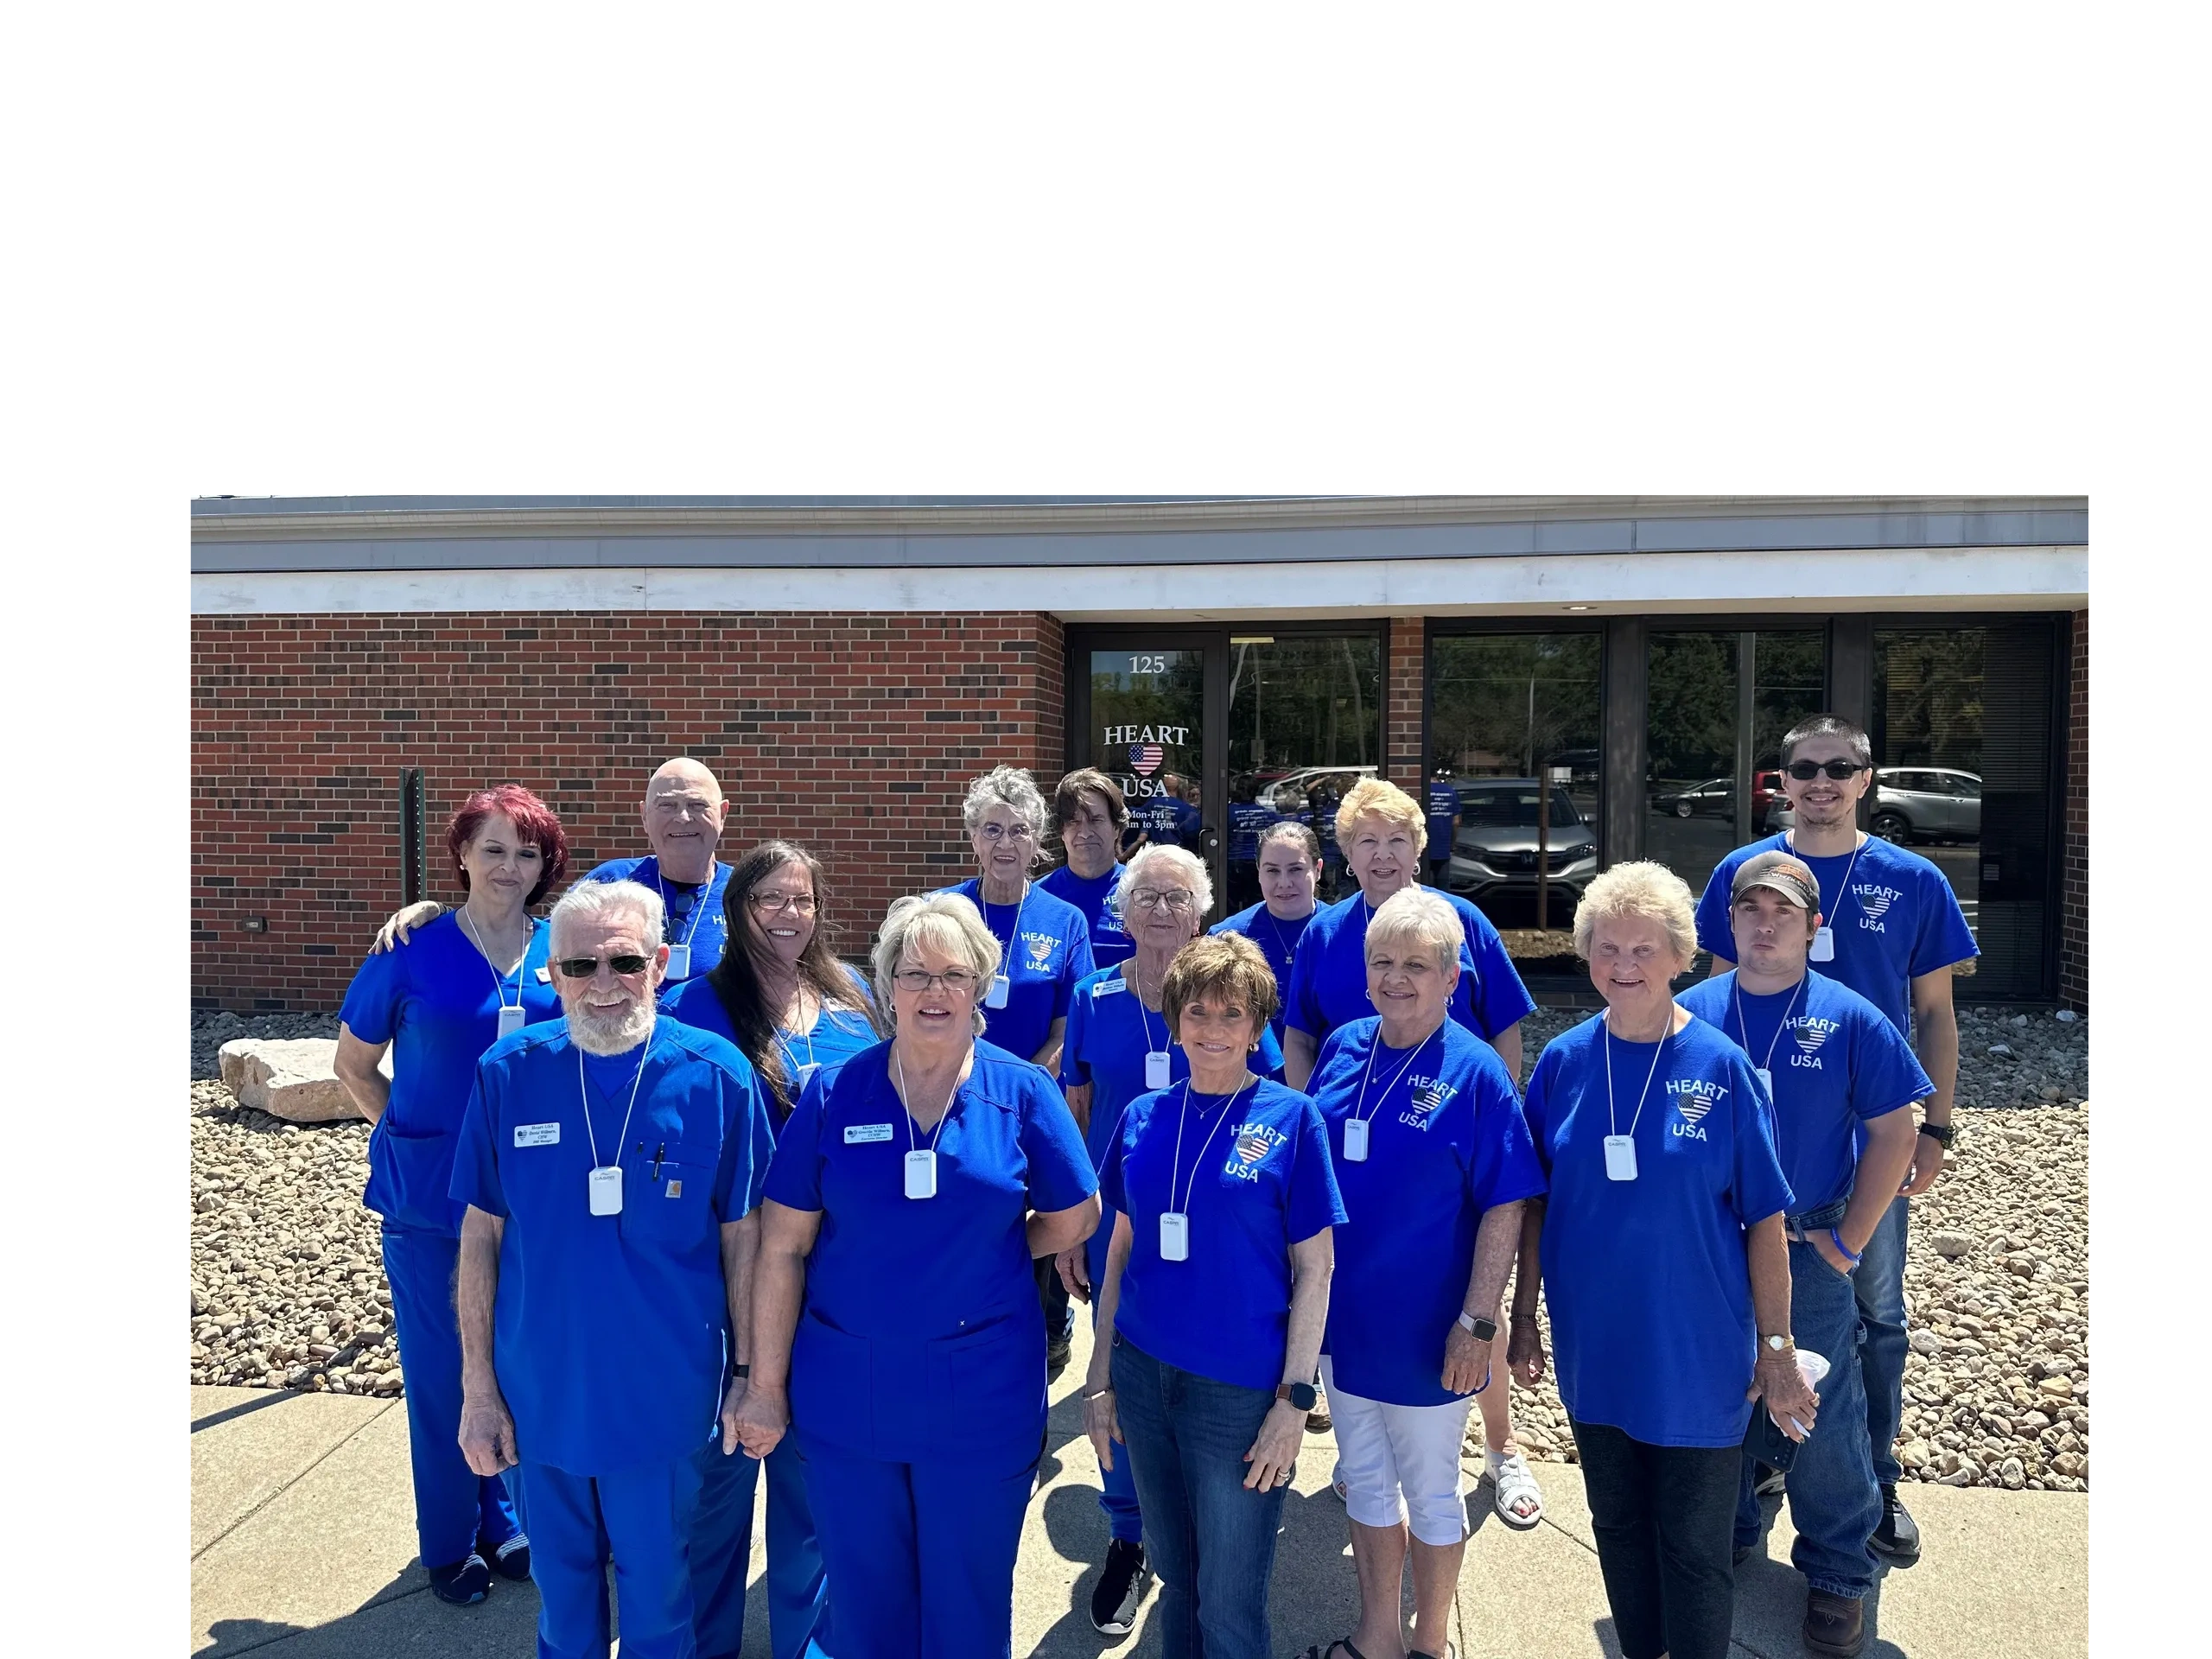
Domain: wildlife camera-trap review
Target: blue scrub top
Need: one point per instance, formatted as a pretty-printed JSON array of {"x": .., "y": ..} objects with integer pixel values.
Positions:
[
  {"x": 437, "y": 1002},
  {"x": 838, "y": 1034},
  {"x": 1446, "y": 1142},
  {"x": 609, "y": 1330},
  {"x": 1443, "y": 807},
  {"x": 1328, "y": 983},
  {"x": 1837, "y": 1065},
  {"x": 693, "y": 914},
  {"x": 1899, "y": 920},
  {"x": 1253, "y": 1182},
  {"x": 1042, "y": 964},
  {"x": 1278, "y": 941},
  {"x": 1648, "y": 1280},
  {"x": 1101, "y": 912},
  {"x": 921, "y": 1330}
]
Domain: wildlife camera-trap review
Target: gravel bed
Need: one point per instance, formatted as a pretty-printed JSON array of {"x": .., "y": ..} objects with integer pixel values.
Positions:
[{"x": 288, "y": 1287}]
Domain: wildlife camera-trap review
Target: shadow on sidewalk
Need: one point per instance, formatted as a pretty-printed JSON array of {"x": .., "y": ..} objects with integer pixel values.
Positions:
[{"x": 404, "y": 1615}]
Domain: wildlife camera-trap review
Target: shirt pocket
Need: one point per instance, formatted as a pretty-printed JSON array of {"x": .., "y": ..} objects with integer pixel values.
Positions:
[{"x": 665, "y": 1200}]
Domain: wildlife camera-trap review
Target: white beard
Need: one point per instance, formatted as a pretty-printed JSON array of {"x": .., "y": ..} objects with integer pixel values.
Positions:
[{"x": 611, "y": 1033}]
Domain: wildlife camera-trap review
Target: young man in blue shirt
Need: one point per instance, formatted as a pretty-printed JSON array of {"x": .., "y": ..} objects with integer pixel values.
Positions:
[{"x": 1891, "y": 929}]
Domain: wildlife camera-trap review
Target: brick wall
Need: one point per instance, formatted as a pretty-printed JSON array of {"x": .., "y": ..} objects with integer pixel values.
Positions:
[
  {"x": 1406, "y": 763},
  {"x": 856, "y": 734},
  {"x": 2074, "y": 893}
]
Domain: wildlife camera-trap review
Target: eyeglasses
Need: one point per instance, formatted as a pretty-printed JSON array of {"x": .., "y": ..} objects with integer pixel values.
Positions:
[
  {"x": 585, "y": 967},
  {"x": 801, "y": 904},
  {"x": 1175, "y": 898},
  {"x": 958, "y": 981},
  {"x": 1805, "y": 770},
  {"x": 996, "y": 833}
]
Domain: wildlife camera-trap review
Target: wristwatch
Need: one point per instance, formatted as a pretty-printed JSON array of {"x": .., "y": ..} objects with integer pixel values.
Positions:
[
  {"x": 1942, "y": 1133},
  {"x": 745, "y": 1371},
  {"x": 1481, "y": 1330},
  {"x": 1776, "y": 1345},
  {"x": 1301, "y": 1394}
]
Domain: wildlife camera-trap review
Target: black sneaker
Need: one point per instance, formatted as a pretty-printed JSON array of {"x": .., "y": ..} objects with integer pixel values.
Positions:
[
  {"x": 1769, "y": 1483},
  {"x": 1834, "y": 1625},
  {"x": 510, "y": 1560},
  {"x": 1896, "y": 1540},
  {"x": 1121, "y": 1586},
  {"x": 463, "y": 1583}
]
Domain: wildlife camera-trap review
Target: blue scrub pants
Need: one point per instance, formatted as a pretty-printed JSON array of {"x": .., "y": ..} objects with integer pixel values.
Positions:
[
  {"x": 454, "y": 1506},
  {"x": 1118, "y": 1494},
  {"x": 1879, "y": 1281},
  {"x": 928, "y": 1546},
  {"x": 721, "y": 1548},
  {"x": 642, "y": 1517}
]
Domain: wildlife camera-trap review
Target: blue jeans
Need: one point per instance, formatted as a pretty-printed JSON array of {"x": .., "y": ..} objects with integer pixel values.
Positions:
[
  {"x": 1211, "y": 1542},
  {"x": 1117, "y": 1493},
  {"x": 1833, "y": 1502},
  {"x": 1879, "y": 1281}
]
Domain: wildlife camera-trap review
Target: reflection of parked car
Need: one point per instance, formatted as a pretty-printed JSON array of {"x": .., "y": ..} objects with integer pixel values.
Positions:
[
  {"x": 1912, "y": 803},
  {"x": 1766, "y": 790},
  {"x": 1496, "y": 847},
  {"x": 1289, "y": 794},
  {"x": 1715, "y": 798}
]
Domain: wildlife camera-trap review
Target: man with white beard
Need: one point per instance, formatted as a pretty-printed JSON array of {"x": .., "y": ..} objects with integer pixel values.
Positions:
[{"x": 611, "y": 1163}]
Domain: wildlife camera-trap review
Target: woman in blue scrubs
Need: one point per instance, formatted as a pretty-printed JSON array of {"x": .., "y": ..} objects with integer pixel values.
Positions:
[
  {"x": 1217, "y": 1291},
  {"x": 1288, "y": 858},
  {"x": 896, "y": 1327},
  {"x": 438, "y": 1001},
  {"x": 1117, "y": 1050},
  {"x": 1433, "y": 1159},
  {"x": 792, "y": 1010},
  {"x": 1090, "y": 814},
  {"x": 1665, "y": 1266}
]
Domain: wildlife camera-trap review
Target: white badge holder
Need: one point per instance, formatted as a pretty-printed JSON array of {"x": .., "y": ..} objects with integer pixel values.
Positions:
[
  {"x": 510, "y": 1020},
  {"x": 996, "y": 997},
  {"x": 1766, "y": 1079},
  {"x": 1354, "y": 1140},
  {"x": 1620, "y": 1158},
  {"x": 606, "y": 1190},
  {"x": 921, "y": 1173},
  {"x": 1155, "y": 1069},
  {"x": 679, "y": 962},
  {"x": 1823, "y": 945},
  {"x": 1174, "y": 1235},
  {"x": 807, "y": 1069}
]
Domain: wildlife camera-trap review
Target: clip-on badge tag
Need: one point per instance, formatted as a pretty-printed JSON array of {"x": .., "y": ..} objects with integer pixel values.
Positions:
[
  {"x": 679, "y": 962},
  {"x": 606, "y": 1190},
  {"x": 510, "y": 1020},
  {"x": 1823, "y": 945},
  {"x": 807, "y": 1069},
  {"x": 1766, "y": 1079},
  {"x": 1155, "y": 1069},
  {"x": 1354, "y": 1140},
  {"x": 996, "y": 997},
  {"x": 921, "y": 1173},
  {"x": 1174, "y": 1235},
  {"x": 1620, "y": 1158}
]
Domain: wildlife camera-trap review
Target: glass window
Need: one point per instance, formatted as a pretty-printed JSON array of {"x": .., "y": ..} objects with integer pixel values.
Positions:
[
  {"x": 1928, "y": 709},
  {"x": 1146, "y": 712},
  {"x": 1305, "y": 724}
]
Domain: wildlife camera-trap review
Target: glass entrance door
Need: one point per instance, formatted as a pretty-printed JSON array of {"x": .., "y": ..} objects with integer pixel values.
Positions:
[{"x": 1138, "y": 714}]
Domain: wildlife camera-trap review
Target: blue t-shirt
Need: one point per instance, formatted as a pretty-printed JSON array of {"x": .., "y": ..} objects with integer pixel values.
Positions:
[
  {"x": 1045, "y": 948},
  {"x": 1648, "y": 1280},
  {"x": 1094, "y": 896},
  {"x": 693, "y": 914},
  {"x": 1252, "y": 1181},
  {"x": 1899, "y": 919},
  {"x": 1278, "y": 941},
  {"x": 1328, "y": 983},
  {"x": 1443, "y": 807},
  {"x": 1167, "y": 820},
  {"x": 1836, "y": 1064},
  {"x": 838, "y": 1034},
  {"x": 437, "y": 1002},
  {"x": 1248, "y": 822},
  {"x": 609, "y": 1330},
  {"x": 1445, "y": 1142},
  {"x": 921, "y": 1324}
]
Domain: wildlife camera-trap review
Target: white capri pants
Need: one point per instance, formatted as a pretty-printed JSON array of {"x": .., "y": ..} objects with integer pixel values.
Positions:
[{"x": 1401, "y": 1463}]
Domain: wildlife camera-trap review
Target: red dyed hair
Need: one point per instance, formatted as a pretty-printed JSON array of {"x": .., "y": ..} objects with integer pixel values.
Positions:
[{"x": 535, "y": 822}]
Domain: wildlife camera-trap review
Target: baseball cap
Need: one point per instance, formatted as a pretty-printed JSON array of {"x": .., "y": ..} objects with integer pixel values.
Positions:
[{"x": 1786, "y": 875}]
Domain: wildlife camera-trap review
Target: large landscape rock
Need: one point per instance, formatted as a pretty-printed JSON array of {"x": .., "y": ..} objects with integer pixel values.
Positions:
[{"x": 293, "y": 1078}]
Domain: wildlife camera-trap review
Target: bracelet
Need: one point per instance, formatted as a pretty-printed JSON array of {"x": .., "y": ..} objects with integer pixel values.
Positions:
[
  {"x": 1099, "y": 1393},
  {"x": 1523, "y": 1318},
  {"x": 1844, "y": 1249}
]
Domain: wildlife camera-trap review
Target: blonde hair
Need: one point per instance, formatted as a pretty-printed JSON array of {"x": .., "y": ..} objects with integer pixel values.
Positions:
[
  {"x": 1378, "y": 797},
  {"x": 1417, "y": 915},
  {"x": 1226, "y": 967},
  {"x": 948, "y": 923},
  {"x": 1641, "y": 888},
  {"x": 1185, "y": 864}
]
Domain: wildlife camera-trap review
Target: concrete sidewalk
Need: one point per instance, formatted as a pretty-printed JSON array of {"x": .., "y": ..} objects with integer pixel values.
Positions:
[{"x": 303, "y": 1548}]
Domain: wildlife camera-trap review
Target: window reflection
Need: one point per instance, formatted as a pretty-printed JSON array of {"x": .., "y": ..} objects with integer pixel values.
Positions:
[
  {"x": 1305, "y": 724},
  {"x": 1927, "y": 731}
]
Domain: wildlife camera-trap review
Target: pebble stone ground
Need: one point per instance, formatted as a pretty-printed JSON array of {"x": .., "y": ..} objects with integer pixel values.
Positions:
[{"x": 288, "y": 1286}]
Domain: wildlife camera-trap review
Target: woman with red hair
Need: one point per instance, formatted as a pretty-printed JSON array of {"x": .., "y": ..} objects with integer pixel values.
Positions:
[{"x": 459, "y": 985}]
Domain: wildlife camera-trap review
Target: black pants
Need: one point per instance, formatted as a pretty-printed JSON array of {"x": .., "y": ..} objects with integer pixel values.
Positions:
[
  {"x": 1059, "y": 1318},
  {"x": 1664, "y": 1519}
]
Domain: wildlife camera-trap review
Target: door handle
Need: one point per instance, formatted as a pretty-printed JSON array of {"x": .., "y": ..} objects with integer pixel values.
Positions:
[{"x": 1210, "y": 838}]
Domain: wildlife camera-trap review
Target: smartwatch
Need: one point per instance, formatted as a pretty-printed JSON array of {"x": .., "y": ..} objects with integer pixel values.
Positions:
[
  {"x": 1301, "y": 1394},
  {"x": 1481, "y": 1330},
  {"x": 745, "y": 1371}
]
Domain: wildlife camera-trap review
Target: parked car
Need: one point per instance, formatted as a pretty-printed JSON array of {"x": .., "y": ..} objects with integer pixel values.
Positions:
[
  {"x": 1495, "y": 851},
  {"x": 1766, "y": 790},
  {"x": 1713, "y": 798},
  {"x": 1911, "y": 804}
]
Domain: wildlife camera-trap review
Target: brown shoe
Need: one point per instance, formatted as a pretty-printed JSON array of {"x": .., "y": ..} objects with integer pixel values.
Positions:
[{"x": 1835, "y": 1624}]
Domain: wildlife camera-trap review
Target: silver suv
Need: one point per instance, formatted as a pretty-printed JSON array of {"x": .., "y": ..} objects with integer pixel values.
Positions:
[{"x": 1911, "y": 804}]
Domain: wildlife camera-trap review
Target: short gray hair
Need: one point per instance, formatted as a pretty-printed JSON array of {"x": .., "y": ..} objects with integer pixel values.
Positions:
[
  {"x": 948, "y": 921},
  {"x": 1188, "y": 866},
  {"x": 1005, "y": 786},
  {"x": 1416, "y": 916},
  {"x": 1641, "y": 888},
  {"x": 598, "y": 897}
]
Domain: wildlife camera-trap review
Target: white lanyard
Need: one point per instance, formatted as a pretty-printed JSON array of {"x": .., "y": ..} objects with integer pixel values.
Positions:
[
  {"x": 1361, "y": 1112},
  {"x": 605, "y": 1184},
  {"x": 499, "y": 983},
  {"x": 1766, "y": 1067},
  {"x": 698, "y": 904},
  {"x": 921, "y": 1161},
  {"x": 1175, "y": 1169},
  {"x": 1015, "y": 933},
  {"x": 783, "y": 1034},
  {"x": 1611, "y": 1121},
  {"x": 1790, "y": 843}
]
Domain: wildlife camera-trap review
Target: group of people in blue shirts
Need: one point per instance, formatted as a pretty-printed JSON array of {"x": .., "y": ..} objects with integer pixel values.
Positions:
[{"x": 650, "y": 1230}]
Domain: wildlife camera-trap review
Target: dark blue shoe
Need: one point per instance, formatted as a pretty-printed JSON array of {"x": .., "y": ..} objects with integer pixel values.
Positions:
[
  {"x": 510, "y": 1560},
  {"x": 462, "y": 1583}
]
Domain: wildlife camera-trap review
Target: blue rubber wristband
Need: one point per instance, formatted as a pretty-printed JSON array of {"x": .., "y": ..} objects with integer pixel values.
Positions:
[{"x": 1848, "y": 1254}]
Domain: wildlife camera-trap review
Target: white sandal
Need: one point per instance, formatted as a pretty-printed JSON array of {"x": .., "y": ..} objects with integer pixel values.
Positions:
[{"x": 1514, "y": 1484}]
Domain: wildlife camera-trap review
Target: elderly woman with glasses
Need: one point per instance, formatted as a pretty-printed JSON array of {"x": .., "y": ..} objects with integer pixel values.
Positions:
[
  {"x": 895, "y": 1323},
  {"x": 1117, "y": 1049}
]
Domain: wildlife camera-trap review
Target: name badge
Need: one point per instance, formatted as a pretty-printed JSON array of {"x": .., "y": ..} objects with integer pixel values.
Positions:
[
  {"x": 921, "y": 1173},
  {"x": 545, "y": 976},
  {"x": 996, "y": 997},
  {"x": 1174, "y": 1235},
  {"x": 1354, "y": 1140},
  {"x": 537, "y": 1134},
  {"x": 1155, "y": 1069},
  {"x": 679, "y": 962},
  {"x": 606, "y": 1190},
  {"x": 865, "y": 1134},
  {"x": 807, "y": 1069},
  {"x": 1620, "y": 1158},
  {"x": 1766, "y": 1079},
  {"x": 510, "y": 1020},
  {"x": 1108, "y": 987},
  {"x": 1823, "y": 945}
]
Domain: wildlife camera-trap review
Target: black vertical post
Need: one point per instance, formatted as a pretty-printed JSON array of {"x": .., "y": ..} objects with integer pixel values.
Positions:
[
  {"x": 412, "y": 845},
  {"x": 1625, "y": 787}
]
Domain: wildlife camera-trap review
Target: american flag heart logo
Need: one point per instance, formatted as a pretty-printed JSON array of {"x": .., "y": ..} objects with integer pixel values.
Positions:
[
  {"x": 1145, "y": 758},
  {"x": 1252, "y": 1147},
  {"x": 1809, "y": 1038},
  {"x": 1692, "y": 1107},
  {"x": 1875, "y": 900}
]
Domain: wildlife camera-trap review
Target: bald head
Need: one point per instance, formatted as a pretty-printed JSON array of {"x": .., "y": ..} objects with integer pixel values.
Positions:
[{"x": 684, "y": 816}]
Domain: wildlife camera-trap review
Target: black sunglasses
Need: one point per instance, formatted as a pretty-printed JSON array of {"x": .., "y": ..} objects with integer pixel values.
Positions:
[
  {"x": 1805, "y": 770},
  {"x": 585, "y": 967}
]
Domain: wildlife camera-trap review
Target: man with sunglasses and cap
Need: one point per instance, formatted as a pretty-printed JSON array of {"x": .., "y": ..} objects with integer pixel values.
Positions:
[
  {"x": 611, "y": 1163},
  {"x": 1841, "y": 1081},
  {"x": 1891, "y": 929}
]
